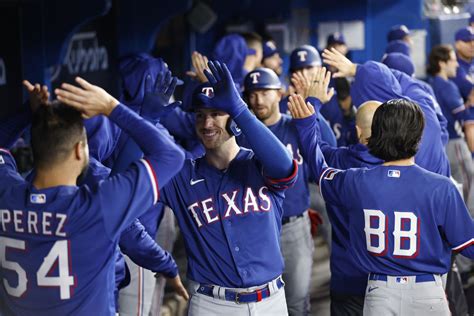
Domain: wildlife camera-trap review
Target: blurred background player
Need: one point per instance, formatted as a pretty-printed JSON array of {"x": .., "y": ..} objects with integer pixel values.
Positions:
[
  {"x": 399, "y": 33},
  {"x": 271, "y": 57},
  {"x": 464, "y": 79}
]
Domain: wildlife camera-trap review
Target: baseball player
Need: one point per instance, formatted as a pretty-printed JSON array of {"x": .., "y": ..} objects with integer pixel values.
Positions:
[
  {"x": 464, "y": 79},
  {"x": 338, "y": 41},
  {"x": 228, "y": 205},
  {"x": 271, "y": 58},
  {"x": 375, "y": 81},
  {"x": 398, "y": 46},
  {"x": 404, "y": 221},
  {"x": 43, "y": 234},
  {"x": 442, "y": 66},
  {"x": 262, "y": 92},
  {"x": 399, "y": 33}
]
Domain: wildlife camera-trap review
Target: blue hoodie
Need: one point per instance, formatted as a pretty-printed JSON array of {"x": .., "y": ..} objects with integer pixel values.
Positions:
[{"x": 375, "y": 81}]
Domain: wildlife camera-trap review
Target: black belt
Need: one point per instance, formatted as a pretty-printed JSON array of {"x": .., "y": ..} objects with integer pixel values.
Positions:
[{"x": 286, "y": 220}]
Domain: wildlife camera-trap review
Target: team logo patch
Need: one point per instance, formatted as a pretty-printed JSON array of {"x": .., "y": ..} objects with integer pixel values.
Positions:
[
  {"x": 330, "y": 174},
  {"x": 38, "y": 198},
  {"x": 394, "y": 173},
  {"x": 2, "y": 161}
]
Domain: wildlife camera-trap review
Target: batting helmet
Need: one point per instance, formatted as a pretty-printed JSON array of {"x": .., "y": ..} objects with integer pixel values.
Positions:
[
  {"x": 261, "y": 78},
  {"x": 399, "y": 62},
  {"x": 304, "y": 56},
  {"x": 198, "y": 103}
]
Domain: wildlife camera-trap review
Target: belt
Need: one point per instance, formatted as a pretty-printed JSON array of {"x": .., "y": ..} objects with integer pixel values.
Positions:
[
  {"x": 286, "y": 220},
  {"x": 402, "y": 279},
  {"x": 241, "y": 297}
]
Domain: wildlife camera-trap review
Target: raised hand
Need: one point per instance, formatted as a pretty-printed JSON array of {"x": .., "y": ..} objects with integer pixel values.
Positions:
[
  {"x": 298, "y": 108},
  {"x": 345, "y": 68},
  {"x": 300, "y": 83},
  {"x": 199, "y": 64},
  {"x": 318, "y": 87},
  {"x": 90, "y": 100},
  {"x": 38, "y": 94},
  {"x": 226, "y": 97},
  {"x": 157, "y": 96}
]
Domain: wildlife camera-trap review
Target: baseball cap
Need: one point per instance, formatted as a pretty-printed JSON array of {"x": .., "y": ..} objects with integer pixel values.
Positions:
[
  {"x": 261, "y": 78},
  {"x": 335, "y": 38},
  {"x": 400, "y": 62},
  {"x": 304, "y": 56},
  {"x": 397, "y": 32},
  {"x": 269, "y": 49},
  {"x": 204, "y": 88},
  {"x": 398, "y": 46},
  {"x": 466, "y": 34}
]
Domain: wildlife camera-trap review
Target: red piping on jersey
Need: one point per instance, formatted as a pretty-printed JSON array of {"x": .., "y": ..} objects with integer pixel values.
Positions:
[
  {"x": 293, "y": 174},
  {"x": 461, "y": 247},
  {"x": 154, "y": 178}
]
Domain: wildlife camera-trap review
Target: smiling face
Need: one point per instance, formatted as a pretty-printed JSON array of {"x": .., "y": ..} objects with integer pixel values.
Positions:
[
  {"x": 211, "y": 127},
  {"x": 264, "y": 103}
]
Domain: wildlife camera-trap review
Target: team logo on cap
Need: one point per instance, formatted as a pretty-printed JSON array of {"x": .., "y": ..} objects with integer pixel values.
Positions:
[
  {"x": 302, "y": 55},
  {"x": 271, "y": 45},
  {"x": 38, "y": 198},
  {"x": 2, "y": 161},
  {"x": 255, "y": 77},
  {"x": 208, "y": 91}
]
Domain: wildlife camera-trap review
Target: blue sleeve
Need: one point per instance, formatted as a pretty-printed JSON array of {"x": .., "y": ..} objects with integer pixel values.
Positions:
[
  {"x": 325, "y": 131},
  {"x": 13, "y": 126},
  {"x": 8, "y": 169},
  {"x": 454, "y": 102},
  {"x": 138, "y": 245},
  {"x": 457, "y": 224},
  {"x": 465, "y": 85},
  {"x": 161, "y": 153},
  {"x": 271, "y": 153},
  {"x": 180, "y": 124}
]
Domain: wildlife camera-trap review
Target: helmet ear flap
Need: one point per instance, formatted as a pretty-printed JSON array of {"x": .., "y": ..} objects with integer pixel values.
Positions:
[{"x": 232, "y": 128}]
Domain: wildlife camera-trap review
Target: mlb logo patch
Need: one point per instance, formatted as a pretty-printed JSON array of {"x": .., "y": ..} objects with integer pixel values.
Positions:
[
  {"x": 394, "y": 173},
  {"x": 402, "y": 280},
  {"x": 38, "y": 198},
  {"x": 2, "y": 161}
]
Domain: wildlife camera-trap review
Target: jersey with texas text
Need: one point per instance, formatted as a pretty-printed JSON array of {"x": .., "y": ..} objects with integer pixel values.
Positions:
[{"x": 230, "y": 220}]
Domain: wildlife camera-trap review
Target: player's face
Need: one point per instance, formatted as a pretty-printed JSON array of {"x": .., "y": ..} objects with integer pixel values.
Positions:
[
  {"x": 211, "y": 127},
  {"x": 264, "y": 103},
  {"x": 341, "y": 48},
  {"x": 465, "y": 49},
  {"x": 309, "y": 71},
  {"x": 451, "y": 65},
  {"x": 274, "y": 62}
]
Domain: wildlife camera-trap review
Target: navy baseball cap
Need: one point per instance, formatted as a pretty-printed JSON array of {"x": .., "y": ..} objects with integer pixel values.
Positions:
[
  {"x": 269, "y": 49},
  {"x": 304, "y": 56},
  {"x": 335, "y": 38},
  {"x": 398, "y": 46},
  {"x": 261, "y": 78},
  {"x": 400, "y": 62},
  {"x": 204, "y": 88},
  {"x": 466, "y": 34},
  {"x": 397, "y": 32}
]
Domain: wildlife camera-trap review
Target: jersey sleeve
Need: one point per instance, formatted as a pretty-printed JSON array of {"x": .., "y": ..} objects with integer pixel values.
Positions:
[
  {"x": 285, "y": 183},
  {"x": 454, "y": 102},
  {"x": 332, "y": 184},
  {"x": 137, "y": 244},
  {"x": 8, "y": 170},
  {"x": 457, "y": 224},
  {"x": 126, "y": 196}
]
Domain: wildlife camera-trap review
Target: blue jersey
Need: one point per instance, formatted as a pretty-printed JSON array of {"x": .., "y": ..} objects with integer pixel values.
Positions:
[
  {"x": 49, "y": 265},
  {"x": 297, "y": 197},
  {"x": 230, "y": 220},
  {"x": 464, "y": 79},
  {"x": 404, "y": 220},
  {"x": 344, "y": 129},
  {"x": 451, "y": 103},
  {"x": 347, "y": 277}
]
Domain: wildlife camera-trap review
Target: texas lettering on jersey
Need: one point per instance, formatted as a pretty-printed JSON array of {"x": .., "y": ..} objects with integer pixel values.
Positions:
[{"x": 250, "y": 200}]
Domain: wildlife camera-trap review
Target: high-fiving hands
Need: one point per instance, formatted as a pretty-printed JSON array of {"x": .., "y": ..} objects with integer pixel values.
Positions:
[
  {"x": 345, "y": 67},
  {"x": 299, "y": 109}
]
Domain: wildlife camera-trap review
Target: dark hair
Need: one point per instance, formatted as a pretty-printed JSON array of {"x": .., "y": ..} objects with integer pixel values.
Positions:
[
  {"x": 55, "y": 130},
  {"x": 437, "y": 54},
  {"x": 397, "y": 128},
  {"x": 252, "y": 39}
]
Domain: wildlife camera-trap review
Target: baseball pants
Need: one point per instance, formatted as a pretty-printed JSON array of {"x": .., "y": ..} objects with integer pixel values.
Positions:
[
  {"x": 297, "y": 249},
  {"x": 203, "y": 305},
  {"x": 405, "y": 296}
]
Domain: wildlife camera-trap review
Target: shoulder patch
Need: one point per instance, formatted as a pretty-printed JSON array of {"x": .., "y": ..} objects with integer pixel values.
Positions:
[{"x": 394, "y": 173}]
